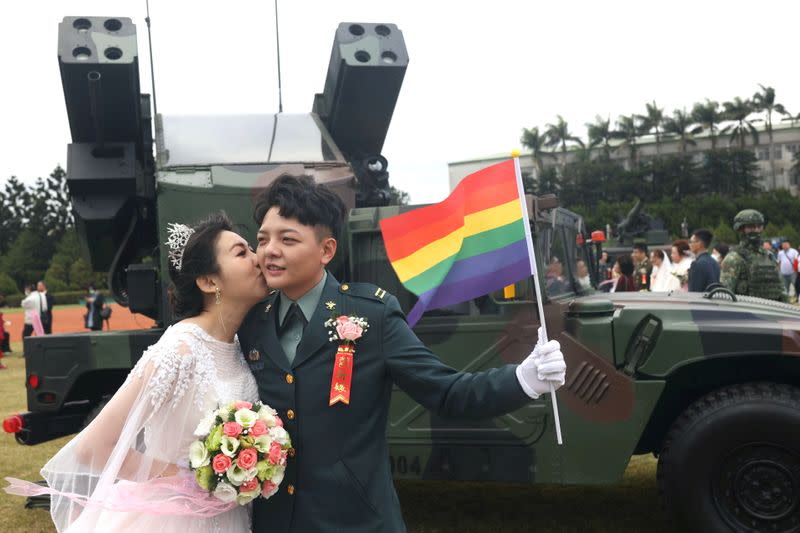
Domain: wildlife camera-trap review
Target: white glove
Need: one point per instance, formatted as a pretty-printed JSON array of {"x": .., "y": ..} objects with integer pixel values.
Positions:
[{"x": 543, "y": 366}]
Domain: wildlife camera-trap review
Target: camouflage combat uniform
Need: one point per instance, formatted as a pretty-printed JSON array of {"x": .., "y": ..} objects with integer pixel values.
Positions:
[{"x": 748, "y": 269}]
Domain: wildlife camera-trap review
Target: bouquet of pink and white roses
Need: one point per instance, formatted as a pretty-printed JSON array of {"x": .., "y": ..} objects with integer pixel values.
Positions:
[{"x": 241, "y": 453}]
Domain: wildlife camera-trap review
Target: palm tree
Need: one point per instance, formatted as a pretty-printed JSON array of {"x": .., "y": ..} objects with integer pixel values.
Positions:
[
  {"x": 708, "y": 116},
  {"x": 535, "y": 142},
  {"x": 738, "y": 110},
  {"x": 558, "y": 135},
  {"x": 628, "y": 129},
  {"x": 681, "y": 125},
  {"x": 764, "y": 101},
  {"x": 652, "y": 122},
  {"x": 600, "y": 133}
]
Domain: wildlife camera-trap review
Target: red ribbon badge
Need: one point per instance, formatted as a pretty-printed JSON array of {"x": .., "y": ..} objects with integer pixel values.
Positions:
[{"x": 342, "y": 375}]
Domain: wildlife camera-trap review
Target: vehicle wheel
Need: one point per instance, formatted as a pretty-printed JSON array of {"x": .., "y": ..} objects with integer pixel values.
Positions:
[{"x": 731, "y": 461}]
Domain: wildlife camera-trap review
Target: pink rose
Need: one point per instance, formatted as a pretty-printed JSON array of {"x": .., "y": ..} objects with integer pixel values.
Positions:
[
  {"x": 343, "y": 319},
  {"x": 221, "y": 463},
  {"x": 247, "y": 458},
  {"x": 242, "y": 405},
  {"x": 232, "y": 429},
  {"x": 259, "y": 428},
  {"x": 349, "y": 330},
  {"x": 268, "y": 489},
  {"x": 275, "y": 453},
  {"x": 278, "y": 422},
  {"x": 248, "y": 486},
  {"x": 284, "y": 454}
]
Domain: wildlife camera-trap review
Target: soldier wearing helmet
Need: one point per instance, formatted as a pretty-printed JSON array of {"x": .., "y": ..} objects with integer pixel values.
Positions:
[{"x": 749, "y": 269}]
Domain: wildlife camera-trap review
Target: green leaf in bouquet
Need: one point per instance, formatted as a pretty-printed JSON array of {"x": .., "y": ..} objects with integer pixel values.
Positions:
[
  {"x": 265, "y": 470},
  {"x": 214, "y": 438},
  {"x": 205, "y": 477}
]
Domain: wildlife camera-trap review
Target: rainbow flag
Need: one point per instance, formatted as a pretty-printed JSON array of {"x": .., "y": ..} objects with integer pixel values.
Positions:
[{"x": 476, "y": 241}]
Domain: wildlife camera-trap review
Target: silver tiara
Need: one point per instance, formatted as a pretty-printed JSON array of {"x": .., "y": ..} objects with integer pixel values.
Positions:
[{"x": 178, "y": 237}]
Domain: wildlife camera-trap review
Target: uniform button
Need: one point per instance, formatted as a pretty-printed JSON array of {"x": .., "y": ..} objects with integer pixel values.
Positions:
[
  {"x": 291, "y": 452},
  {"x": 290, "y": 414},
  {"x": 289, "y": 379},
  {"x": 290, "y": 489}
]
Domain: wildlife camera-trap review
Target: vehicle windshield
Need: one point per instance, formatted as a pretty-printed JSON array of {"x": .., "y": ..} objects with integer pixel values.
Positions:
[
  {"x": 566, "y": 263},
  {"x": 202, "y": 140}
]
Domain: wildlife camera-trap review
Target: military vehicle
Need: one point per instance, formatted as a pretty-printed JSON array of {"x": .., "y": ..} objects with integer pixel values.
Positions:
[{"x": 709, "y": 383}]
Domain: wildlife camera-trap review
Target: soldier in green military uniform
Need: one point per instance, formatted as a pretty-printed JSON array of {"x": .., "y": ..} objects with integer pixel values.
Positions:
[
  {"x": 642, "y": 267},
  {"x": 749, "y": 269},
  {"x": 338, "y": 476}
]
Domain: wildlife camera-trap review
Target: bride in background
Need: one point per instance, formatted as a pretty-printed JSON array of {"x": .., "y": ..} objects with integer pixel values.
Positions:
[
  {"x": 662, "y": 279},
  {"x": 128, "y": 469}
]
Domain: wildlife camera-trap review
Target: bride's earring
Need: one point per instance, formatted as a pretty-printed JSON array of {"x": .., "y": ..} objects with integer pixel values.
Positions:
[{"x": 219, "y": 296}]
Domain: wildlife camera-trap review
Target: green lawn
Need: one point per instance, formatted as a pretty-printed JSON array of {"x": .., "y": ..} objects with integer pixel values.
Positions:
[{"x": 428, "y": 507}]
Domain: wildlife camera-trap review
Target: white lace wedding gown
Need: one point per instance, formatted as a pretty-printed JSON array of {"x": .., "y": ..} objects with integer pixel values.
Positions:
[{"x": 108, "y": 477}]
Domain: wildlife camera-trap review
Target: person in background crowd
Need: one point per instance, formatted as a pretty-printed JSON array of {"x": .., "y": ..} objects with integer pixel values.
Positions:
[
  {"x": 604, "y": 271},
  {"x": 94, "y": 304},
  {"x": 720, "y": 251},
  {"x": 641, "y": 266},
  {"x": 625, "y": 281},
  {"x": 681, "y": 261},
  {"x": 4, "y": 324},
  {"x": 704, "y": 270},
  {"x": 32, "y": 307},
  {"x": 787, "y": 258},
  {"x": 582, "y": 275},
  {"x": 770, "y": 250},
  {"x": 46, "y": 301},
  {"x": 662, "y": 280}
]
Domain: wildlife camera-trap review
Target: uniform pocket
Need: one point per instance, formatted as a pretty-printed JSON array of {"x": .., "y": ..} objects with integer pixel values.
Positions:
[{"x": 351, "y": 483}]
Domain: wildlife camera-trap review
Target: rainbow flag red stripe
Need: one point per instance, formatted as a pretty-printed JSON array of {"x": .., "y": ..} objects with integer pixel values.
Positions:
[{"x": 474, "y": 242}]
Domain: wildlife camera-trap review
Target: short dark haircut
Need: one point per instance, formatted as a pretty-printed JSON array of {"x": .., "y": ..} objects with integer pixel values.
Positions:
[
  {"x": 642, "y": 247},
  {"x": 199, "y": 259},
  {"x": 722, "y": 248},
  {"x": 625, "y": 265},
  {"x": 704, "y": 235},
  {"x": 300, "y": 197}
]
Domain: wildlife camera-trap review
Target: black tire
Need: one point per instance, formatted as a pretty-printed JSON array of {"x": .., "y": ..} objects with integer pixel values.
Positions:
[{"x": 731, "y": 461}]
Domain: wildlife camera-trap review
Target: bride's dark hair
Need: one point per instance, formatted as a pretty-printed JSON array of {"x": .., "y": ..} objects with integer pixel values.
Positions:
[{"x": 199, "y": 259}]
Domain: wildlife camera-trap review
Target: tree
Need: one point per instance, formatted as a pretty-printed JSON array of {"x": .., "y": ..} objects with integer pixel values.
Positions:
[
  {"x": 764, "y": 101},
  {"x": 743, "y": 171},
  {"x": 558, "y": 135},
  {"x": 738, "y": 110},
  {"x": 681, "y": 125},
  {"x": 548, "y": 182},
  {"x": 398, "y": 197},
  {"x": 652, "y": 122},
  {"x": 723, "y": 233},
  {"x": 14, "y": 212},
  {"x": 535, "y": 142},
  {"x": 600, "y": 134},
  {"x": 628, "y": 130},
  {"x": 708, "y": 116}
]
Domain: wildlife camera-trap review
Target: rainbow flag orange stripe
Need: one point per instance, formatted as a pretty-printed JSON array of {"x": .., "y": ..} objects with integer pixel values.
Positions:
[{"x": 474, "y": 242}]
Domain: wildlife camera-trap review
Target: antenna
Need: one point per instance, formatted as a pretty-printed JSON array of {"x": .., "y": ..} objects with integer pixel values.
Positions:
[
  {"x": 152, "y": 70},
  {"x": 278, "y": 42}
]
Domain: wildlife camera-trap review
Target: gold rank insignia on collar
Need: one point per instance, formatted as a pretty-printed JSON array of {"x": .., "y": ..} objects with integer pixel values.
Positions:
[
  {"x": 330, "y": 305},
  {"x": 267, "y": 308},
  {"x": 254, "y": 355}
]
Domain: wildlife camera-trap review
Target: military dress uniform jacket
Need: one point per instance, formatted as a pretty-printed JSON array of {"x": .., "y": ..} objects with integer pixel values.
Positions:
[{"x": 337, "y": 476}]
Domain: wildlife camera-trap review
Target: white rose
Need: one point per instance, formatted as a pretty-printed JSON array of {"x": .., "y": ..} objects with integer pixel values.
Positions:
[
  {"x": 246, "y": 497},
  {"x": 198, "y": 454},
  {"x": 279, "y": 435},
  {"x": 277, "y": 477},
  {"x": 224, "y": 412},
  {"x": 228, "y": 446},
  {"x": 267, "y": 414},
  {"x": 225, "y": 492},
  {"x": 262, "y": 443},
  {"x": 205, "y": 425},
  {"x": 246, "y": 417},
  {"x": 237, "y": 475}
]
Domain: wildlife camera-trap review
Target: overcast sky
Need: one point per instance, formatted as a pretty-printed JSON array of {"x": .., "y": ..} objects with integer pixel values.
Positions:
[{"x": 478, "y": 72}]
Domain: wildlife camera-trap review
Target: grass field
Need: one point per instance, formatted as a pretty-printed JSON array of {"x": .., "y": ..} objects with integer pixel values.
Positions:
[{"x": 428, "y": 507}]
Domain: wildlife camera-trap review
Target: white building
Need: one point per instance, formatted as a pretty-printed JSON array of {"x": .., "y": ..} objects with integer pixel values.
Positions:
[{"x": 785, "y": 137}]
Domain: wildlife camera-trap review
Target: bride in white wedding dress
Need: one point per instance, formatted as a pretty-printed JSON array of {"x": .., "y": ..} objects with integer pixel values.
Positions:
[{"x": 128, "y": 469}]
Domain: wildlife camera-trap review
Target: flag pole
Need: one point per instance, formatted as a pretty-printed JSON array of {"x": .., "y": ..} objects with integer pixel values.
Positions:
[{"x": 535, "y": 274}]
